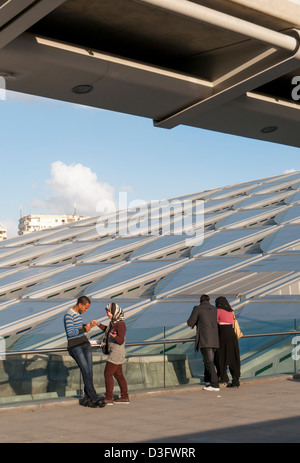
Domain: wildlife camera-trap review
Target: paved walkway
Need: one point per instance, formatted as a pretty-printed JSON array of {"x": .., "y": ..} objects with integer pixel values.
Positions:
[{"x": 265, "y": 410}]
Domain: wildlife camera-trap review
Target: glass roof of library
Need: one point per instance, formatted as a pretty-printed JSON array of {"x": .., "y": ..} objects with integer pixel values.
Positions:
[{"x": 241, "y": 241}]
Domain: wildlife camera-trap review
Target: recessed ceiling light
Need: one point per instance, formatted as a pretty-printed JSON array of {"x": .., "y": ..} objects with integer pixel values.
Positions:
[
  {"x": 269, "y": 129},
  {"x": 79, "y": 89}
]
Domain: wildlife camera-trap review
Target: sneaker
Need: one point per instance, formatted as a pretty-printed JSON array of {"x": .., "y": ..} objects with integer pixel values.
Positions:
[
  {"x": 85, "y": 402},
  {"x": 92, "y": 404},
  {"x": 101, "y": 403},
  {"x": 211, "y": 388},
  {"x": 107, "y": 401},
  {"x": 121, "y": 400}
]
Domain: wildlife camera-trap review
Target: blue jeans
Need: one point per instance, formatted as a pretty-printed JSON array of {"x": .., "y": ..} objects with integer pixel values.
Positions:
[{"x": 83, "y": 357}]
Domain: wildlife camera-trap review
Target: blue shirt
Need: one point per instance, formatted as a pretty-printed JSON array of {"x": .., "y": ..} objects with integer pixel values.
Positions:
[{"x": 74, "y": 328}]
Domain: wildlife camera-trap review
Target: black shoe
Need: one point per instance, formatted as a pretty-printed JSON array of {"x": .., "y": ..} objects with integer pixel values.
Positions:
[
  {"x": 92, "y": 404},
  {"x": 85, "y": 402},
  {"x": 101, "y": 403},
  {"x": 233, "y": 385}
]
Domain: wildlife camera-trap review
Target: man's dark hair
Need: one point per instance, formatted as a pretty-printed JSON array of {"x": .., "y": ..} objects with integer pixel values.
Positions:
[
  {"x": 204, "y": 298},
  {"x": 83, "y": 300}
]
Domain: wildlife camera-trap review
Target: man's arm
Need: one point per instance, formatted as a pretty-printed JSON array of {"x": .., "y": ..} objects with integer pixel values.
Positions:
[
  {"x": 193, "y": 318},
  {"x": 71, "y": 331}
]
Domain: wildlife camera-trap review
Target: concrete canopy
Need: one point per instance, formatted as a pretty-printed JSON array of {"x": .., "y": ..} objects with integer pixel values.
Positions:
[{"x": 223, "y": 65}]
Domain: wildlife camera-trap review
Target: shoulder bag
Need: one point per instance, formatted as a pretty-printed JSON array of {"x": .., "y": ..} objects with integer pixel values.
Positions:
[
  {"x": 236, "y": 328},
  {"x": 104, "y": 343}
]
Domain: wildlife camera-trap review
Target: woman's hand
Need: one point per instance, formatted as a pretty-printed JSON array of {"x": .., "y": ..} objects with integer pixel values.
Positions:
[{"x": 93, "y": 323}]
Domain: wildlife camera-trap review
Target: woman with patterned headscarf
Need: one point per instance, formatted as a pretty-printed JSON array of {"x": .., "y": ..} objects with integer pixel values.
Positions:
[
  {"x": 114, "y": 340},
  {"x": 228, "y": 354}
]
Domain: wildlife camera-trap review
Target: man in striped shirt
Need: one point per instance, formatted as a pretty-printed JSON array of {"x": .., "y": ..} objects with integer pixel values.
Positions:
[{"x": 80, "y": 349}]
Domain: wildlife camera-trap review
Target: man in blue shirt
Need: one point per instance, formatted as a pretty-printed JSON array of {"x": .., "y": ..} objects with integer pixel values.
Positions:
[{"x": 80, "y": 349}]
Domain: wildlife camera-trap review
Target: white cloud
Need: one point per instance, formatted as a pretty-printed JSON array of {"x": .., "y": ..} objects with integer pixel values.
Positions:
[
  {"x": 289, "y": 171},
  {"x": 76, "y": 184}
]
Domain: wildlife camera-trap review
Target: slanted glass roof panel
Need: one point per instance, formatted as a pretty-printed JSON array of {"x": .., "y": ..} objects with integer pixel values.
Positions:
[
  {"x": 270, "y": 262},
  {"x": 222, "y": 204},
  {"x": 14, "y": 284},
  {"x": 289, "y": 215},
  {"x": 199, "y": 270},
  {"x": 201, "y": 195},
  {"x": 4, "y": 252},
  {"x": 269, "y": 311},
  {"x": 284, "y": 177},
  {"x": 66, "y": 253},
  {"x": 237, "y": 277},
  {"x": 64, "y": 235},
  {"x": 257, "y": 201},
  {"x": 211, "y": 219},
  {"x": 27, "y": 254},
  {"x": 233, "y": 284},
  {"x": 23, "y": 315},
  {"x": 293, "y": 199},
  {"x": 245, "y": 184},
  {"x": 166, "y": 246},
  {"x": 113, "y": 248},
  {"x": 276, "y": 187},
  {"x": 287, "y": 238},
  {"x": 249, "y": 218},
  {"x": 91, "y": 235},
  {"x": 74, "y": 277},
  {"x": 135, "y": 275},
  {"x": 165, "y": 313},
  {"x": 232, "y": 192},
  {"x": 84, "y": 222},
  {"x": 225, "y": 241},
  {"x": 28, "y": 238},
  {"x": 183, "y": 224}
]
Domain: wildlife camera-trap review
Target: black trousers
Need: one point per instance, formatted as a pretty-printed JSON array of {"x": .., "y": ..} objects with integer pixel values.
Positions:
[
  {"x": 228, "y": 355},
  {"x": 210, "y": 374}
]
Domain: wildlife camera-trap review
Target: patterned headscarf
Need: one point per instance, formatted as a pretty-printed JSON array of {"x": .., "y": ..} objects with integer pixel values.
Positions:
[{"x": 116, "y": 311}]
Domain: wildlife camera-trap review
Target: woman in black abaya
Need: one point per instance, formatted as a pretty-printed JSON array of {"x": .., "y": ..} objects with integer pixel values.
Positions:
[{"x": 228, "y": 354}]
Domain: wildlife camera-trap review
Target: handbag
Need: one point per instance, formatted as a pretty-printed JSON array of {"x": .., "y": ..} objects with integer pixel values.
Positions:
[
  {"x": 237, "y": 328},
  {"x": 104, "y": 343},
  {"x": 104, "y": 348}
]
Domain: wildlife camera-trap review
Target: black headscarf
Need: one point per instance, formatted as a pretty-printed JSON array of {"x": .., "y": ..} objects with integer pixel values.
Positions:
[{"x": 222, "y": 303}]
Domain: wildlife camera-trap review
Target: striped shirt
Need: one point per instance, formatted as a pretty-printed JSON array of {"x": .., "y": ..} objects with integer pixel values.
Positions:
[{"x": 74, "y": 329}]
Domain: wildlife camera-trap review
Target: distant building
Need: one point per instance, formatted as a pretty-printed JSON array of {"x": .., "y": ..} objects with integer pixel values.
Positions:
[
  {"x": 34, "y": 222},
  {"x": 3, "y": 232}
]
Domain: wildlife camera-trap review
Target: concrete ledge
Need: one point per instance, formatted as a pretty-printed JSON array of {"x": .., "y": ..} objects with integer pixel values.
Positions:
[{"x": 73, "y": 401}]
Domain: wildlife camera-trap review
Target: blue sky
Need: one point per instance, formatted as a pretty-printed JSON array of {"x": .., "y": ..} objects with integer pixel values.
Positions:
[{"x": 43, "y": 140}]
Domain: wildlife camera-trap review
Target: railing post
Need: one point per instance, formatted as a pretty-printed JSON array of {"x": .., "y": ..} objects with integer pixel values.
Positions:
[
  {"x": 164, "y": 356},
  {"x": 295, "y": 359}
]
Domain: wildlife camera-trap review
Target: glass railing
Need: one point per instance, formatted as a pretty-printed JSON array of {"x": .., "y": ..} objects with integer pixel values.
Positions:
[{"x": 166, "y": 361}]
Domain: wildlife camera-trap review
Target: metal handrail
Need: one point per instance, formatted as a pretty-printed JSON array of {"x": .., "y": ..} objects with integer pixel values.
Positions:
[{"x": 145, "y": 343}]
